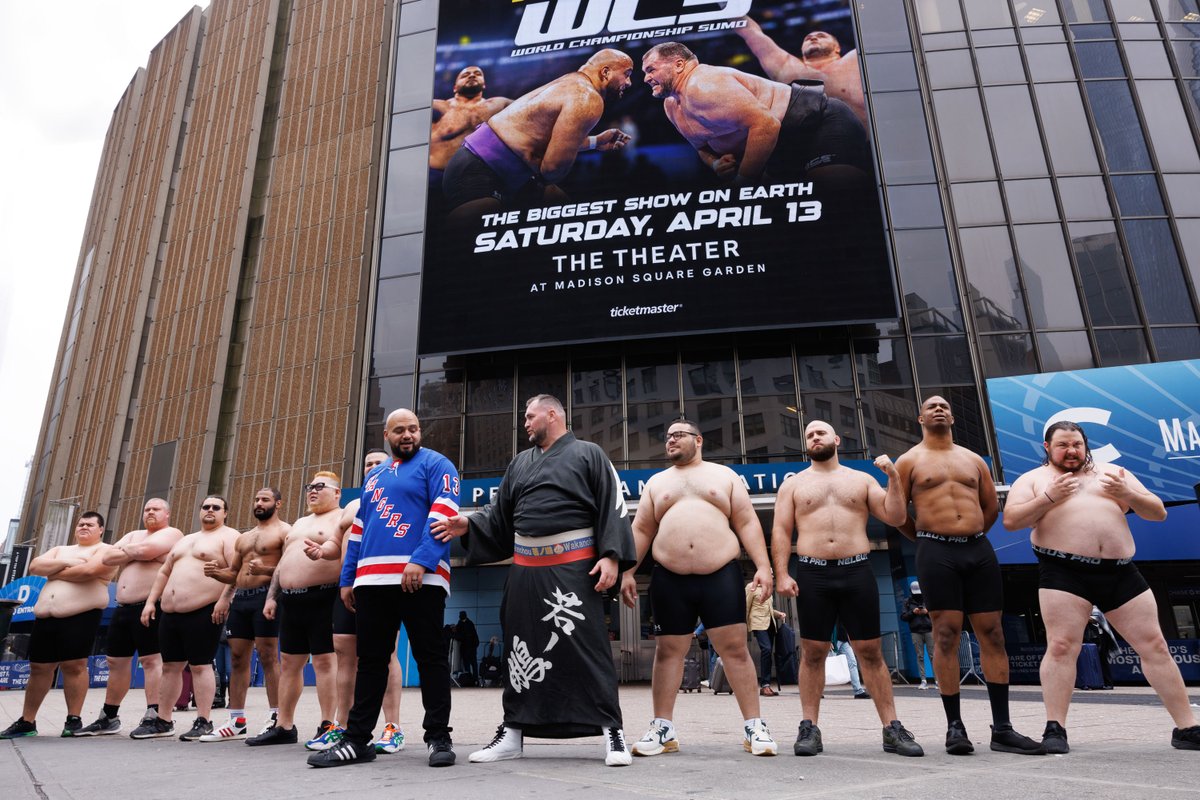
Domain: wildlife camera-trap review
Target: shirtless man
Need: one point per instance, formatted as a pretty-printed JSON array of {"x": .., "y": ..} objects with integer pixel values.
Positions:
[
  {"x": 694, "y": 514},
  {"x": 749, "y": 128},
  {"x": 247, "y": 578},
  {"x": 1084, "y": 549},
  {"x": 66, "y": 618},
  {"x": 955, "y": 504},
  {"x": 303, "y": 592},
  {"x": 533, "y": 142},
  {"x": 454, "y": 118},
  {"x": 139, "y": 554},
  {"x": 821, "y": 60},
  {"x": 827, "y": 504},
  {"x": 189, "y": 627}
]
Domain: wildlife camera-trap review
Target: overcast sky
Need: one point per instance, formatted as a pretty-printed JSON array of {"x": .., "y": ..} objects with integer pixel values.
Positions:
[{"x": 63, "y": 67}]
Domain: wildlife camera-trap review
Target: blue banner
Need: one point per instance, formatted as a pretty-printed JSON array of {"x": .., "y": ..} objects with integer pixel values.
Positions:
[{"x": 14, "y": 674}]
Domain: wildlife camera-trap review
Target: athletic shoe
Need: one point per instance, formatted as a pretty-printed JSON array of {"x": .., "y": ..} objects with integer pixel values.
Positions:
[
  {"x": 862, "y": 695},
  {"x": 897, "y": 739},
  {"x": 1006, "y": 740},
  {"x": 1054, "y": 739},
  {"x": 1181, "y": 738},
  {"x": 274, "y": 735},
  {"x": 227, "y": 733},
  {"x": 758, "y": 741},
  {"x": 22, "y": 728},
  {"x": 342, "y": 754},
  {"x": 328, "y": 735},
  {"x": 923, "y": 685},
  {"x": 705, "y": 684},
  {"x": 153, "y": 729},
  {"x": 658, "y": 739},
  {"x": 103, "y": 726},
  {"x": 199, "y": 728},
  {"x": 441, "y": 751},
  {"x": 506, "y": 745},
  {"x": 71, "y": 726},
  {"x": 150, "y": 715},
  {"x": 957, "y": 741},
  {"x": 616, "y": 754},
  {"x": 808, "y": 741},
  {"x": 391, "y": 740},
  {"x": 270, "y": 723},
  {"x": 767, "y": 691}
]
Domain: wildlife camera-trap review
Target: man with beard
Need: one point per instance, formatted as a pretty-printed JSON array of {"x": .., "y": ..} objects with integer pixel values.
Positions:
[
  {"x": 1085, "y": 551},
  {"x": 248, "y": 578},
  {"x": 396, "y": 573},
  {"x": 533, "y": 142},
  {"x": 694, "y": 514},
  {"x": 749, "y": 128},
  {"x": 827, "y": 504},
  {"x": 193, "y": 612},
  {"x": 462, "y": 113},
  {"x": 955, "y": 505},
  {"x": 561, "y": 516}
]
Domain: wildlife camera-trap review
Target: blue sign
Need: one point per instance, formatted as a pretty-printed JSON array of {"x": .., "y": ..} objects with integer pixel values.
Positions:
[
  {"x": 23, "y": 591},
  {"x": 1127, "y": 665},
  {"x": 14, "y": 674}
]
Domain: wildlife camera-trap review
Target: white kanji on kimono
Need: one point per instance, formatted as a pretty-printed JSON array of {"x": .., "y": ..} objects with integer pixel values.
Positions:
[
  {"x": 561, "y": 613},
  {"x": 524, "y": 669}
]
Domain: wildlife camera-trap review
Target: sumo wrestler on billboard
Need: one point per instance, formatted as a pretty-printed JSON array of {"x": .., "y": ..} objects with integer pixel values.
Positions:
[{"x": 603, "y": 169}]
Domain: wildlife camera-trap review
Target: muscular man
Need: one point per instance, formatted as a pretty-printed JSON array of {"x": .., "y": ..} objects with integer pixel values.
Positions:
[
  {"x": 749, "y": 128},
  {"x": 396, "y": 573},
  {"x": 66, "y": 618},
  {"x": 561, "y": 517},
  {"x": 193, "y": 612},
  {"x": 697, "y": 516},
  {"x": 1084, "y": 549},
  {"x": 955, "y": 504},
  {"x": 533, "y": 142},
  {"x": 827, "y": 504},
  {"x": 247, "y": 580},
  {"x": 462, "y": 113},
  {"x": 302, "y": 592},
  {"x": 139, "y": 554},
  {"x": 820, "y": 59}
]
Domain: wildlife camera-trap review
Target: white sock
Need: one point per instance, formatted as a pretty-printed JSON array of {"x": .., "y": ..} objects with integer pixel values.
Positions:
[
  {"x": 664, "y": 723},
  {"x": 750, "y": 722}
]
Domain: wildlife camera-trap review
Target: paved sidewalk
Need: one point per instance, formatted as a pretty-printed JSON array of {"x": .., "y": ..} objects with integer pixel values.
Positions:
[{"x": 1120, "y": 749}]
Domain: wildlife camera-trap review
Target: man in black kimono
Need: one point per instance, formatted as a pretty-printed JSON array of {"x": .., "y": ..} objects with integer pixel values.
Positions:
[{"x": 561, "y": 516}]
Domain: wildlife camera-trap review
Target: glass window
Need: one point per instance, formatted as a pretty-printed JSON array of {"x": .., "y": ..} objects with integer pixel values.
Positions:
[
  {"x": 488, "y": 444},
  {"x": 1099, "y": 60},
  {"x": 1189, "y": 240},
  {"x": 418, "y": 15},
  {"x": 995, "y": 36},
  {"x": 1050, "y": 62},
  {"x": 825, "y": 370},
  {"x": 1178, "y": 10},
  {"x": 1040, "y": 12},
  {"x": 1137, "y": 196},
  {"x": 400, "y": 255},
  {"x": 1117, "y": 121},
  {"x": 1015, "y": 131},
  {"x": 1132, "y": 10},
  {"x": 1159, "y": 273},
  {"x": 992, "y": 286},
  {"x": 1139, "y": 30},
  {"x": 1191, "y": 96},
  {"x": 943, "y": 41},
  {"x": 1068, "y": 134},
  {"x": 440, "y": 394},
  {"x": 942, "y": 359},
  {"x": 882, "y": 363},
  {"x": 1065, "y": 350},
  {"x": 410, "y": 128},
  {"x": 902, "y": 137},
  {"x": 393, "y": 349},
  {"x": 1043, "y": 34},
  {"x": 648, "y": 423},
  {"x": 977, "y": 203},
  {"x": 1000, "y": 65},
  {"x": 603, "y": 425},
  {"x": 547, "y": 377},
  {"x": 1176, "y": 344},
  {"x": 1049, "y": 283},
  {"x": 765, "y": 370},
  {"x": 1085, "y": 11},
  {"x": 965, "y": 138},
  {"x": 988, "y": 14},
  {"x": 891, "y": 419},
  {"x": 415, "y": 61},
  {"x": 884, "y": 29},
  {"x": 652, "y": 376},
  {"x": 771, "y": 425},
  {"x": 718, "y": 421},
  {"x": 385, "y": 395},
  {"x": 1147, "y": 60},
  {"x": 709, "y": 374},
  {"x": 407, "y": 179},
  {"x": 1184, "y": 193},
  {"x": 490, "y": 388},
  {"x": 1084, "y": 198},
  {"x": 890, "y": 72},
  {"x": 1187, "y": 56},
  {"x": 950, "y": 69},
  {"x": 1086, "y": 32},
  {"x": 596, "y": 381},
  {"x": 1031, "y": 201},
  {"x": 1168, "y": 126},
  {"x": 930, "y": 292},
  {"x": 939, "y": 15},
  {"x": 1007, "y": 354},
  {"x": 1120, "y": 347},
  {"x": 915, "y": 206},
  {"x": 436, "y": 434},
  {"x": 1102, "y": 271}
]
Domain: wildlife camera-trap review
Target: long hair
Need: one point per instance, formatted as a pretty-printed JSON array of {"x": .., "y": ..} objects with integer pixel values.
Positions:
[{"x": 1066, "y": 425}]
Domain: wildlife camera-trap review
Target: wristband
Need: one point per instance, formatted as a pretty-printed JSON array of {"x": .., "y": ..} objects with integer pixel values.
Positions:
[
  {"x": 1048, "y": 497},
  {"x": 591, "y": 143}
]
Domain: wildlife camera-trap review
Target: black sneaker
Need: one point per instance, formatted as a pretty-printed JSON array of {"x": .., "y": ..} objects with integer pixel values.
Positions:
[
  {"x": 153, "y": 729},
  {"x": 897, "y": 739},
  {"x": 1181, "y": 738},
  {"x": 957, "y": 741},
  {"x": 103, "y": 726},
  {"x": 276, "y": 735},
  {"x": 342, "y": 754},
  {"x": 199, "y": 728},
  {"x": 863, "y": 695},
  {"x": 1006, "y": 740},
  {"x": 22, "y": 728},
  {"x": 73, "y": 725},
  {"x": 808, "y": 742},
  {"x": 1054, "y": 739},
  {"x": 441, "y": 751}
]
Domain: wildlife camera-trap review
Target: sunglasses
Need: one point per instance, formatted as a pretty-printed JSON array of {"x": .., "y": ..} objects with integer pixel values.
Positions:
[{"x": 211, "y": 507}]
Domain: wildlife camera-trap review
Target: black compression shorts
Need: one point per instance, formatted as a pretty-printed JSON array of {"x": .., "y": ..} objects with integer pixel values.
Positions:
[
  {"x": 959, "y": 573},
  {"x": 817, "y": 131},
  {"x": 57, "y": 639},
  {"x": 1106, "y": 583},
  {"x": 246, "y": 620},
  {"x": 189, "y": 636},
  {"x": 127, "y": 634},
  {"x": 306, "y": 619},
  {"x": 718, "y": 598},
  {"x": 837, "y": 590},
  {"x": 343, "y": 618}
]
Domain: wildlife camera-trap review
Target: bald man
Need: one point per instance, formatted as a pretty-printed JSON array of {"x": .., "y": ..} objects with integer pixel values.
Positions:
[{"x": 461, "y": 113}]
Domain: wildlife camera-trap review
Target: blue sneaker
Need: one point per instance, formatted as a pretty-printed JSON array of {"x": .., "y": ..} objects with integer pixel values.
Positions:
[
  {"x": 329, "y": 734},
  {"x": 391, "y": 740}
]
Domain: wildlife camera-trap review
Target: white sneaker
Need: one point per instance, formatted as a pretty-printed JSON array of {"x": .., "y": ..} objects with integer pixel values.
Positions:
[
  {"x": 659, "y": 739},
  {"x": 924, "y": 685},
  {"x": 505, "y": 746},
  {"x": 616, "y": 753},
  {"x": 270, "y": 723},
  {"x": 705, "y": 684},
  {"x": 758, "y": 740},
  {"x": 226, "y": 733}
]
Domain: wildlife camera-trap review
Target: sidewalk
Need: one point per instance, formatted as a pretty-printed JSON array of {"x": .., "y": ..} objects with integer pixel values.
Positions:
[{"x": 1120, "y": 749}]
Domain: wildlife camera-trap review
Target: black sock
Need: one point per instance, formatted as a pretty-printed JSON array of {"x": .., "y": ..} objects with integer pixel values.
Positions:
[
  {"x": 110, "y": 710},
  {"x": 998, "y": 696},
  {"x": 952, "y": 705},
  {"x": 153, "y": 706},
  {"x": 73, "y": 718}
]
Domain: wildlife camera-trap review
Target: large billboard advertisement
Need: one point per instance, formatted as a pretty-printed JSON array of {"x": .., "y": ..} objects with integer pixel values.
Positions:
[{"x": 607, "y": 169}]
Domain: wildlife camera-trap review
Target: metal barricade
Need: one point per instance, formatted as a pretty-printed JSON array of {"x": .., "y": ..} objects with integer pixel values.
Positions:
[
  {"x": 890, "y": 644},
  {"x": 968, "y": 659}
]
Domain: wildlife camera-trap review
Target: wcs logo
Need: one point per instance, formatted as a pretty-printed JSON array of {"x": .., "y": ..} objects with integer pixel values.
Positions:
[{"x": 620, "y": 15}]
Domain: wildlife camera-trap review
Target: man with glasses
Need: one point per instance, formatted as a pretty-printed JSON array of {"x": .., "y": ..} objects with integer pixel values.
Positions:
[
  {"x": 189, "y": 627},
  {"x": 697, "y": 516}
]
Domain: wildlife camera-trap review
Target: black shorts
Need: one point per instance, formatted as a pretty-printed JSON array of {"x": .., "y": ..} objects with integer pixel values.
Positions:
[
  {"x": 306, "y": 620},
  {"x": 127, "y": 634},
  {"x": 817, "y": 131},
  {"x": 343, "y": 618},
  {"x": 246, "y": 620},
  {"x": 468, "y": 177},
  {"x": 959, "y": 573},
  {"x": 1106, "y": 583},
  {"x": 57, "y": 639},
  {"x": 718, "y": 598},
  {"x": 833, "y": 591},
  {"x": 190, "y": 636}
]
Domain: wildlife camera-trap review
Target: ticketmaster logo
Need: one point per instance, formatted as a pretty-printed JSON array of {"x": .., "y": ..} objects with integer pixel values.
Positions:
[{"x": 637, "y": 311}]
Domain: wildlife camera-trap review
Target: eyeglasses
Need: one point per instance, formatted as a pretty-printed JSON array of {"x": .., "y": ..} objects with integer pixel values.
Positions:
[
  {"x": 317, "y": 487},
  {"x": 675, "y": 436},
  {"x": 211, "y": 507}
]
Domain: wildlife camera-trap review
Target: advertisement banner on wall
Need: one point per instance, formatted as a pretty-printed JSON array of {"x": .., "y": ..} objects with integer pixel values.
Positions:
[{"x": 601, "y": 169}]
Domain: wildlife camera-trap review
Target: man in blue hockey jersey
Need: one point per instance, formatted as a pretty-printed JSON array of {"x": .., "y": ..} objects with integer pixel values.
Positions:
[{"x": 396, "y": 572}]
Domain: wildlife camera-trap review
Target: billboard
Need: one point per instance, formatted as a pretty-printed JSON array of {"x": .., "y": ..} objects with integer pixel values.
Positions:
[{"x": 607, "y": 169}]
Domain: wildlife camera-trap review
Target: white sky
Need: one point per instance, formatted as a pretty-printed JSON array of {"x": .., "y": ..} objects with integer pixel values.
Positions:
[{"x": 63, "y": 67}]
